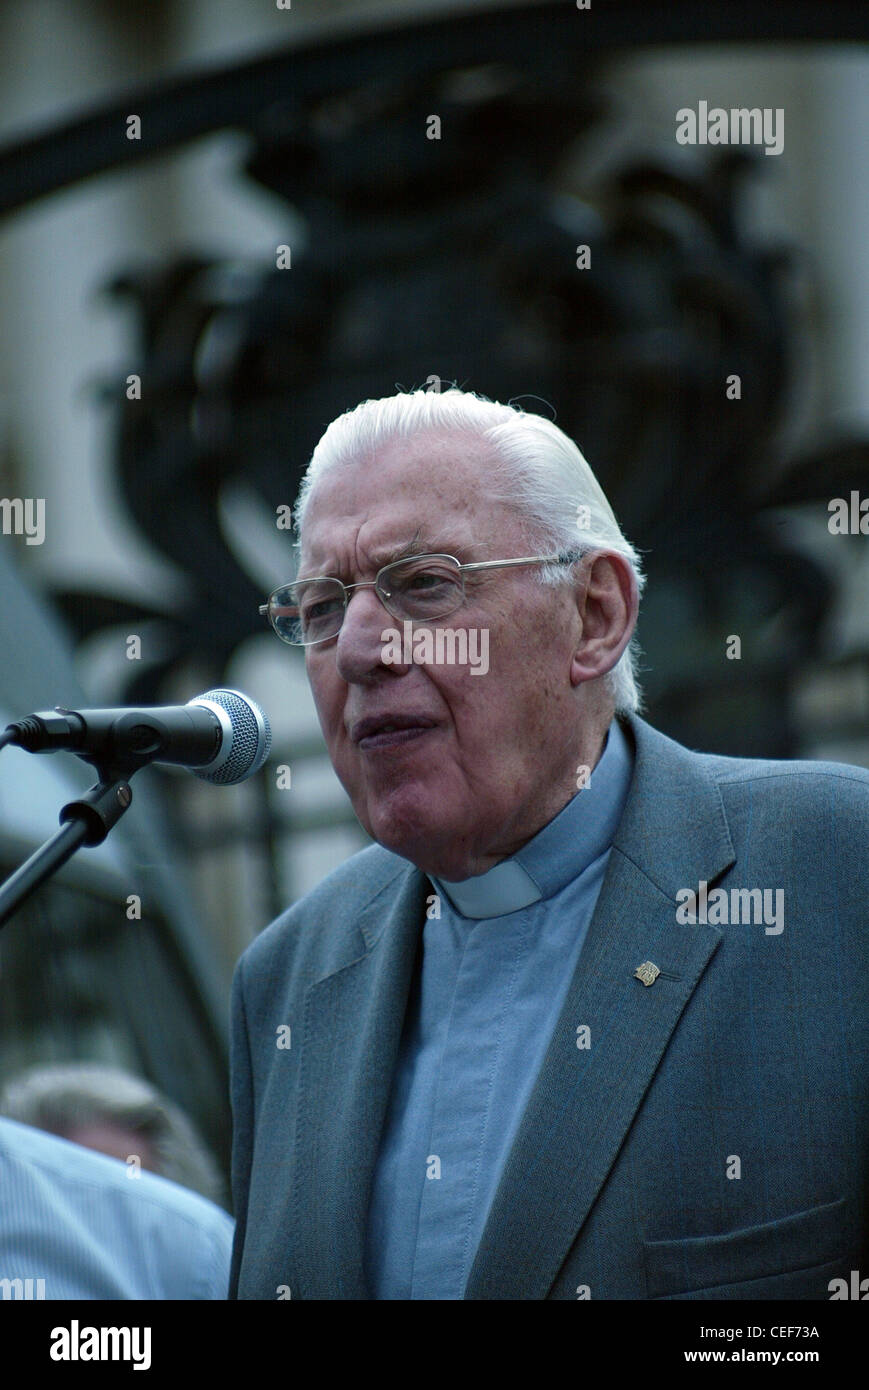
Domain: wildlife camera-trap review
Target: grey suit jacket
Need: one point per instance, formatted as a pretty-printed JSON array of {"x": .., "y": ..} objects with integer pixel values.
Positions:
[{"x": 711, "y": 1142}]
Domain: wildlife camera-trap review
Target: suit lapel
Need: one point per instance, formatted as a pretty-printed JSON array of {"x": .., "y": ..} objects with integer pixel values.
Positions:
[
  {"x": 672, "y": 834},
  {"x": 352, "y": 1027}
]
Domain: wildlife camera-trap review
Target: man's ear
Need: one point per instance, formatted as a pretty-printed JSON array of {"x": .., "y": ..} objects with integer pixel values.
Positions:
[{"x": 608, "y": 602}]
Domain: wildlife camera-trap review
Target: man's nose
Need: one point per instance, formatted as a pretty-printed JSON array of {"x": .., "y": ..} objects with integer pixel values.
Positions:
[{"x": 360, "y": 644}]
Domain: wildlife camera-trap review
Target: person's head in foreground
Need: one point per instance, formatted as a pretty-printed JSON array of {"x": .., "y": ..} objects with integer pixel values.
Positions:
[
  {"x": 455, "y": 755},
  {"x": 119, "y": 1114}
]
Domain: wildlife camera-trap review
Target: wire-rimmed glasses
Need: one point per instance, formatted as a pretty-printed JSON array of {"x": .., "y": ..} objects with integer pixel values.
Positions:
[{"x": 419, "y": 589}]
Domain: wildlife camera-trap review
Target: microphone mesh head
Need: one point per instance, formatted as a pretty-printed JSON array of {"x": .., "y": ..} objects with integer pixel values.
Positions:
[{"x": 251, "y": 738}]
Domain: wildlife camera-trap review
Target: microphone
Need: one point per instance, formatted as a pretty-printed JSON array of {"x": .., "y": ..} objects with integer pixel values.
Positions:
[{"x": 222, "y": 736}]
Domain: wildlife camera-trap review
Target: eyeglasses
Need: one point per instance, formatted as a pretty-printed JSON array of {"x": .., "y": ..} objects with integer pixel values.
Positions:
[{"x": 418, "y": 589}]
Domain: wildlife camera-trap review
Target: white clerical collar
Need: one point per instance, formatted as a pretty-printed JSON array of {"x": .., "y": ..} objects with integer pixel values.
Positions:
[
  {"x": 505, "y": 888},
  {"x": 558, "y": 853}
]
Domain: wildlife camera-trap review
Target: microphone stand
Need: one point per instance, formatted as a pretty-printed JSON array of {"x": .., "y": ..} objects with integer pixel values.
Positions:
[{"x": 86, "y": 821}]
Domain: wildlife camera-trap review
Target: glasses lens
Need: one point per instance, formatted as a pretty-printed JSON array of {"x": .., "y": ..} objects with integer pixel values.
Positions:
[
  {"x": 423, "y": 588},
  {"x": 307, "y": 612}
]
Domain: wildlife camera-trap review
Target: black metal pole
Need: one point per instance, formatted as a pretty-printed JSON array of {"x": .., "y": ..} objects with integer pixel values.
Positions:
[
  {"x": 44, "y": 862},
  {"x": 86, "y": 821}
]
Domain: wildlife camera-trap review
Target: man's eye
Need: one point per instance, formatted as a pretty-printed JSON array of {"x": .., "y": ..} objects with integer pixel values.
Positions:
[
  {"x": 312, "y": 611},
  {"x": 425, "y": 579}
]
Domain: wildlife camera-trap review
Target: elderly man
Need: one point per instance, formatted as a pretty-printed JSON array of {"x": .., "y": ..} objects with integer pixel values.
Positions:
[{"x": 589, "y": 1020}]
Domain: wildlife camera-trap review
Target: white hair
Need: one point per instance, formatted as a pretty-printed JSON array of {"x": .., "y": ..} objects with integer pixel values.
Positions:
[
  {"x": 537, "y": 470},
  {"x": 63, "y": 1097}
]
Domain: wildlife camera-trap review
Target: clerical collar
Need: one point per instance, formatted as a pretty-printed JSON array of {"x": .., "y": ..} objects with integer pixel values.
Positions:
[{"x": 575, "y": 838}]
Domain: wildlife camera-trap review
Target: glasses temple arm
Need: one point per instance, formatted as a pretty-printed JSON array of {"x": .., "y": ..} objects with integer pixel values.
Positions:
[{"x": 566, "y": 557}]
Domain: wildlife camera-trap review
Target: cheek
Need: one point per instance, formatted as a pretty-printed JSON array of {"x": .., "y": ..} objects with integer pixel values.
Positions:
[
  {"x": 327, "y": 693},
  {"x": 491, "y": 719}
]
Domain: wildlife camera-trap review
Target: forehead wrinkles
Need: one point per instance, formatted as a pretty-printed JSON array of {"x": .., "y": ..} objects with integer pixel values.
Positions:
[
  {"x": 368, "y": 509},
  {"x": 375, "y": 540},
  {"x": 360, "y": 507}
]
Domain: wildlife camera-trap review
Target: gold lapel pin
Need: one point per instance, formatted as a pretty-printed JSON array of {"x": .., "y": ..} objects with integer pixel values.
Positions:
[{"x": 648, "y": 972}]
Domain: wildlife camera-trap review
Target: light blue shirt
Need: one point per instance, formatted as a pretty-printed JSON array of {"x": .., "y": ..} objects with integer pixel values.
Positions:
[
  {"x": 77, "y": 1221},
  {"x": 493, "y": 979}
]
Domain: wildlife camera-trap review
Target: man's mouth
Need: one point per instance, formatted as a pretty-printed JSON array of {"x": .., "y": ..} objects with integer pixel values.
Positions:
[{"x": 387, "y": 731}]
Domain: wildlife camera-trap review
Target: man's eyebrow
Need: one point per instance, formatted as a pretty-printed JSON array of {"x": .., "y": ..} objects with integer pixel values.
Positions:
[
  {"x": 417, "y": 546},
  {"x": 385, "y": 555}
]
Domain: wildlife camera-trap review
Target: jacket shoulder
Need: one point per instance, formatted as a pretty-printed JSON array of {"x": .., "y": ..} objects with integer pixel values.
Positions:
[
  {"x": 804, "y": 775},
  {"x": 814, "y": 796},
  {"x": 322, "y": 926},
  {"x": 806, "y": 771}
]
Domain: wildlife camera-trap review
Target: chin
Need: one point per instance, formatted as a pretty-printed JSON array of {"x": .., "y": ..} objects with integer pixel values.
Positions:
[
  {"x": 429, "y": 849},
  {"x": 409, "y": 830},
  {"x": 411, "y": 842}
]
